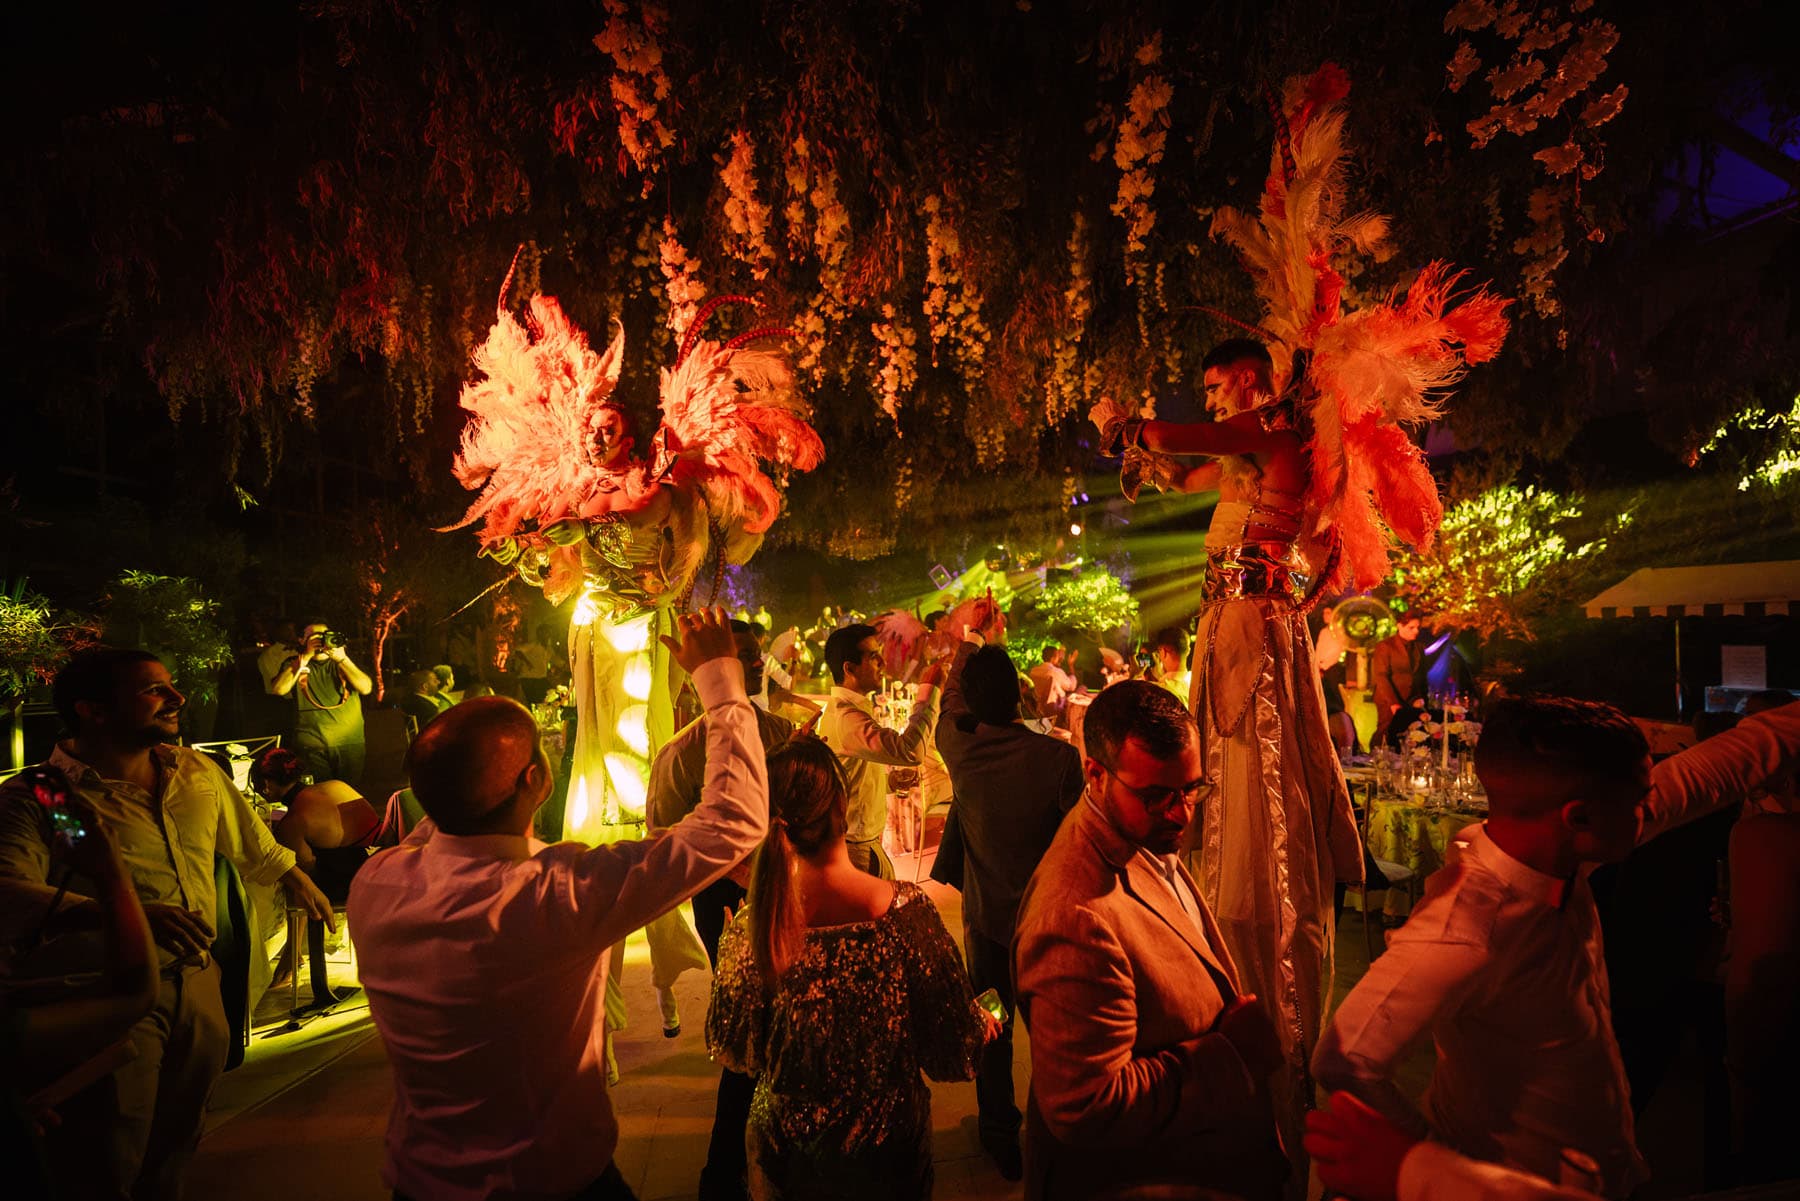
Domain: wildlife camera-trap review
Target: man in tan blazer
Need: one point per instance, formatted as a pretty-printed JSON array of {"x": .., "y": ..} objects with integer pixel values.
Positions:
[{"x": 1150, "y": 1073}]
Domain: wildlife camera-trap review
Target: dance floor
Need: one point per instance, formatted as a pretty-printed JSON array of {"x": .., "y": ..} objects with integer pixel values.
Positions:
[{"x": 303, "y": 1119}]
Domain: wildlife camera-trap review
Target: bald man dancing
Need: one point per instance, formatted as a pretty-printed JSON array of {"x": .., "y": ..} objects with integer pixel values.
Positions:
[{"x": 484, "y": 952}]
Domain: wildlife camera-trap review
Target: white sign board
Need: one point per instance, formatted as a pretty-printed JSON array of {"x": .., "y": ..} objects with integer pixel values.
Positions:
[{"x": 1745, "y": 667}]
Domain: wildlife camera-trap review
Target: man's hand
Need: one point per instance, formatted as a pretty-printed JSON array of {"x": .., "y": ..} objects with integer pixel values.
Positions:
[
  {"x": 1108, "y": 411},
  {"x": 304, "y": 894},
  {"x": 1356, "y": 1150},
  {"x": 176, "y": 929},
  {"x": 700, "y": 638},
  {"x": 338, "y": 653},
  {"x": 1251, "y": 1034}
]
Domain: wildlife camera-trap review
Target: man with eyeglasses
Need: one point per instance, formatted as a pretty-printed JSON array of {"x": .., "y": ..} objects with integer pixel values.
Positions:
[
  {"x": 1150, "y": 1071},
  {"x": 864, "y": 747}
]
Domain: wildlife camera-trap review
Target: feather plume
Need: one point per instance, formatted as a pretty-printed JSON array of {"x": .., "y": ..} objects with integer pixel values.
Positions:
[
  {"x": 529, "y": 446},
  {"x": 968, "y": 615},
  {"x": 1374, "y": 369},
  {"x": 526, "y": 442},
  {"x": 728, "y": 411},
  {"x": 900, "y": 633}
]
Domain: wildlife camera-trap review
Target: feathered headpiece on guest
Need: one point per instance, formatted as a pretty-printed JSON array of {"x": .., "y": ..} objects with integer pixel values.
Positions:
[
  {"x": 1368, "y": 371},
  {"x": 901, "y": 633}
]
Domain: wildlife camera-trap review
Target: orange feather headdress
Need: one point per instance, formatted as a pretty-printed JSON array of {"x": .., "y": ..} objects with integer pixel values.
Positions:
[{"x": 1370, "y": 370}]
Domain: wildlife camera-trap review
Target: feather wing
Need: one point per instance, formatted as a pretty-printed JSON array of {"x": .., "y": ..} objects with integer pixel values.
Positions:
[
  {"x": 727, "y": 412},
  {"x": 525, "y": 444},
  {"x": 900, "y": 633},
  {"x": 1373, "y": 369}
]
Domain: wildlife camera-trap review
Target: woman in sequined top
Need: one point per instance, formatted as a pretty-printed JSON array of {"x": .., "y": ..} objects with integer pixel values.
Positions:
[{"x": 836, "y": 989}]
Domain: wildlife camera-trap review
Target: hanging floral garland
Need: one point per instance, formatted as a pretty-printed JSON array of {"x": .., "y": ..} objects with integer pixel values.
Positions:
[
  {"x": 897, "y": 362},
  {"x": 681, "y": 271},
  {"x": 1138, "y": 149},
  {"x": 1068, "y": 387},
  {"x": 639, "y": 84},
  {"x": 1551, "y": 64},
  {"x": 746, "y": 216}
]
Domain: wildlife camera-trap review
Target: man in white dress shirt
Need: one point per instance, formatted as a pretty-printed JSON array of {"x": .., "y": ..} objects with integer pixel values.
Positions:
[
  {"x": 484, "y": 952},
  {"x": 1503, "y": 964}
]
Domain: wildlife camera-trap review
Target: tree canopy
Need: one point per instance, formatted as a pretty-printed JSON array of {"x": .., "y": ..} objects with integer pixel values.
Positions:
[{"x": 282, "y": 222}]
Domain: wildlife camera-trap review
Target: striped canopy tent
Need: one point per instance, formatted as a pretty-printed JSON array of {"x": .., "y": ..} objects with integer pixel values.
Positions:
[{"x": 1719, "y": 590}]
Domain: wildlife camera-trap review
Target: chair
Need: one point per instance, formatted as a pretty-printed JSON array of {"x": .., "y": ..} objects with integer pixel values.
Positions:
[
  {"x": 1392, "y": 875},
  {"x": 235, "y": 755},
  {"x": 299, "y": 923},
  {"x": 231, "y": 949},
  {"x": 925, "y": 812},
  {"x": 332, "y": 872}
]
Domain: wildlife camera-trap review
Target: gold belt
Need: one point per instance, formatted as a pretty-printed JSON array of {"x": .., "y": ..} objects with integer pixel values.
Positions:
[{"x": 1254, "y": 569}]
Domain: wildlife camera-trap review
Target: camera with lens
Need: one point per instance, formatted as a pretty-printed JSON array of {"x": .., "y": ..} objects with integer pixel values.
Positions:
[{"x": 325, "y": 640}]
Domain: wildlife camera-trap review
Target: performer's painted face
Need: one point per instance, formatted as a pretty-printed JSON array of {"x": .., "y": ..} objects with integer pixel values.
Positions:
[
  {"x": 1231, "y": 390},
  {"x": 1224, "y": 391},
  {"x": 612, "y": 438}
]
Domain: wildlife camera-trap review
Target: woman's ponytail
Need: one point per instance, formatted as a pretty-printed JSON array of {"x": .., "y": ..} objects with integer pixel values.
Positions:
[{"x": 807, "y": 798}]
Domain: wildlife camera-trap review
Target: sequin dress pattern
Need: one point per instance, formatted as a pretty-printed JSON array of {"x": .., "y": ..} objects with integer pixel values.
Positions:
[{"x": 839, "y": 1048}]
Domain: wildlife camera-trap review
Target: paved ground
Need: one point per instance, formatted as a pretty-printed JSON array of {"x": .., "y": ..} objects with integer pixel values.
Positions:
[{"x": 303, "y": 1119}]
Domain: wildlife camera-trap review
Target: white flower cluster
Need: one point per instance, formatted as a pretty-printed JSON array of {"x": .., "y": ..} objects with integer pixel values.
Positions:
[
  {"x": 1067, "y": 387},
  {"x": 952, "y": 302},
  {"x": 897, "y": 362},
  {"x": 745, "y": 214},
  {"x": 639, "y": 85},
  {"x": 813, "y": 205},
  {"x": 682, "y": 273},
  {"x": 1529, "y": 89},
  {"x": 1137, "y": 150}
]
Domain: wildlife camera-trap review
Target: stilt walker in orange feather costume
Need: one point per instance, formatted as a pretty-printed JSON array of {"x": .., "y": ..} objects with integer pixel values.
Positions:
[{"x": 1308, "y": 451}]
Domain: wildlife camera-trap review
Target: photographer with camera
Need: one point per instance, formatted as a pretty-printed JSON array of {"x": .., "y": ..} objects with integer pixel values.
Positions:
[{"x": 327, "y": 689}]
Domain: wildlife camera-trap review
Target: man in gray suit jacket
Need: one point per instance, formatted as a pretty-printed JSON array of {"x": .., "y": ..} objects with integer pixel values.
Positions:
[
  {"x": 1150, "y": 1072},
  {"x": 1013, "y": 786}
]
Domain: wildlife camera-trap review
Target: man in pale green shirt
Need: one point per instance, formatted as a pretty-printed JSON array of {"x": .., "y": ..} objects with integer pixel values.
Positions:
[
  {"x": 170, "y": 810},
  {"x": 865, "y": 748}
]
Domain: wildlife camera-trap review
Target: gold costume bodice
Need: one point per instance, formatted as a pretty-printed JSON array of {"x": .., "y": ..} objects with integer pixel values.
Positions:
[{"x": 1250, "y": 549}]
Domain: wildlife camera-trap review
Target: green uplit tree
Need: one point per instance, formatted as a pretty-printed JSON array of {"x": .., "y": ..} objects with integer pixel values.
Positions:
[
  {"x": 1763, "y": 443},
  {"x": 1094, "y": 602},
  {"x": 34, "y": 640},
  {"x": 172, "y": 617},
  {"x": 1501, "y": 558}
]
